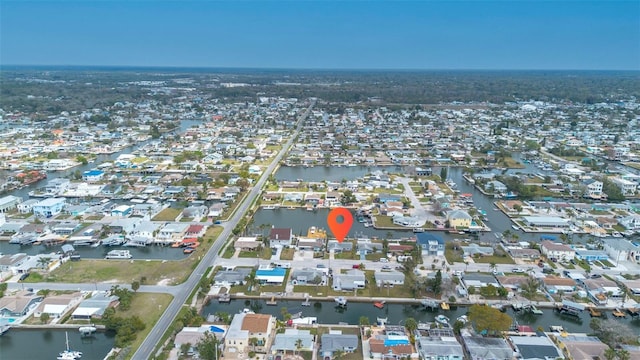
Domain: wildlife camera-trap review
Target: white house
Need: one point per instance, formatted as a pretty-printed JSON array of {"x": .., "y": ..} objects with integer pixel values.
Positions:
[
  {"x": 556, "y": 250},
  {"x": 627, "y": 187},
  {"x": 631, "y": 222},
  {"x": 9, "y": 203},
  {"x": 594, "y": 188},
  {"x": 49, "y": 207}
]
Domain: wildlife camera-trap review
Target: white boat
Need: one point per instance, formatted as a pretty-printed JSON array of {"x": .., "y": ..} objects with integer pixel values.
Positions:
[
  {"x": 442, "y": 319},
  {"x": 87, "y": 330},
  {"x": 556, "y": 328},
  {"x": 118, "y": 254},
  {"x": 515, "y": 227},
  {"x": 69, "y": 354},
  {"x": 381, "y": 321},
  {"x": 463, "y": 319},
  {"x": 418, "y": 230},
  {"x": 341, "y": 301}
]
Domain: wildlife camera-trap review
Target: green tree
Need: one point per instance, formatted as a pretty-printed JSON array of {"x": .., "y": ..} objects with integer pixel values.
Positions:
[
  {"x": 486, "y": 318},
  {"x": 347, "y": 197},
  {"x": 530, "y": 288},
  {"x": 436, "y": 283},
  {"x": 44, "y": 318},
  {"x": 443, "y": 174},
  {"x": 135, "y": 286},
  {"x": 364, "y": 320},
  {"x": 208, "y": 347},
  {"x": 184, "y": 348},
  {"x": 411, "y": 325},
  {"x": 298, "y": 345}
]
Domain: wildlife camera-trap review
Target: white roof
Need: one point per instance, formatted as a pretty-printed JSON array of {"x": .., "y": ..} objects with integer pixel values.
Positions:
[
  {"x": 54, "y": 308},
  {"x": 85, "y": 311}
]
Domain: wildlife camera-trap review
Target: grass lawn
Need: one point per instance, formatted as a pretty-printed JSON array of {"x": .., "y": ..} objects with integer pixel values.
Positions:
[
  {"x": 494, "y": 259},
  {"x": 387, "y": 222},
  {"x": 21, "y": 216},
  {"x": 149, "y": 307},
  {"x": 312, "y": 290},
  {"x": 228, "y": 252},
  {"x": 451, "y": 254},
  {"x": 168, "y": 214},
  {"x": 98, "y": 270},
  {"x": 286, "y": 254},
  {"x": 94, "y": 217},
  {"x": 264, "y": 253},
  {"x": 374, "y": 256},
  {"x": 348, "y": 255}
]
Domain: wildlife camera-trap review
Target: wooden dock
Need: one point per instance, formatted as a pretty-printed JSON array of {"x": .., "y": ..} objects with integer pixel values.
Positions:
[
  {"x": 633, "y": 312},
  {"x": 272, "y": 302},
  {"x": 594, "y": 312},
  {"x": 619, "y": 314}
]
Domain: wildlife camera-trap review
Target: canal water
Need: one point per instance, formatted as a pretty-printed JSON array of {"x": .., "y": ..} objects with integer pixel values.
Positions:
[
  {"x": 328, "y": 313},
  {"x": 18, "y": 344},
  {"x": 86, "y": 252}
]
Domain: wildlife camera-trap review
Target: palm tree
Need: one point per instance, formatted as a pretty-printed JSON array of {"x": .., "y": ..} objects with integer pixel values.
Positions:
[
  {"x": 338, "y": 354},
  {"x": 623, "y": 354},
  {"x": 253, "y": 342},
  {"x": 43, "y": 262},
  {"x": 298, "y": 345},
  {"x": 411, "y": 325},
  {"x": 492, "y": 266},
  {"x": 610, "y": 354}
]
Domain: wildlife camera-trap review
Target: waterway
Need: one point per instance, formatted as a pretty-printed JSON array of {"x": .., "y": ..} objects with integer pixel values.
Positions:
[
  {"x": 18, "y": 344},
  {"x": 328, "y": 313}
]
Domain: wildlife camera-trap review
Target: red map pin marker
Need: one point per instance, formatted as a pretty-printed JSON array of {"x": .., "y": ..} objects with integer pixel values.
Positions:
[{"x": 340, "y": 229}]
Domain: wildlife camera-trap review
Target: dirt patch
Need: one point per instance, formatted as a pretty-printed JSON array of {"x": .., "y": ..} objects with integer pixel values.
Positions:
[{"x": 164, "y": 282}]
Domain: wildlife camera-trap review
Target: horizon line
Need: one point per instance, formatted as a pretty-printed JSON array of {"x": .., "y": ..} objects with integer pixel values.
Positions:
[{"x": 304, "y": 68}]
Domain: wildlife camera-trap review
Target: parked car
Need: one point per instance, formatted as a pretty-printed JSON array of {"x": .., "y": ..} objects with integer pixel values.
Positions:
[{"x": 517, "y": 270}]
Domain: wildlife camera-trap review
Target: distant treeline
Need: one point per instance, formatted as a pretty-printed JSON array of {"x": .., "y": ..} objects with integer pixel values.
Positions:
[{"x": 58, "y": 89}]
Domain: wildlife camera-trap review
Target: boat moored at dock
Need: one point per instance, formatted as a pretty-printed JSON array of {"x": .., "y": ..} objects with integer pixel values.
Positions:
[{"x": 118, "y": 254}]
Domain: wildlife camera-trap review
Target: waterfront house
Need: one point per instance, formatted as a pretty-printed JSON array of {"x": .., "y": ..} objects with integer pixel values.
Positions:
[
  {"x": 555, "y": 285},
  {"x": 366, "y": 246},
  {"x": 49, "y": 207},
  {"x": 150, "y": 209},
  {"x": 547, "y": 222},
  {"x": 591, "y": 255},
  {"x": 95, "y": 306},
  {"x": 349, "y": 281},
  {"x": 9, "y": 202},
  {"x": 280, "y": 237},
  {"x": 535, "y": 347},
  {"x": 479, "y": 280},
  {"x": 441, "y": 344},
  {"x": 389, "y": 278},
  {"x": 311, "y": 244},
  {"x": 339, "y": 247},
  {"x": 93, "y": 176},
  {"x": 216, "y": 210},
  {"x": 18, "y": 304},
  {"x": 124, "y": 225},
  {"x": 145, "y": 229},
  {"x": 122, "y": 211},
  {"x": 391, "y": 346},
  {"x": 246, "y": 326},
  {"x": 193, "y": 335},
  {"x": 459, "y": 219},
  {"x": 65, "y": 228},
  {"x": 556, "y": 251},
  {"x": 25, "y": 207},
  {"x": 334, "y": 341},
  {"x": 476, "y": 250},
  {"x": 431, "y": 244},
  {"x": 271, "y": 276},
  {"x": 57, "y": 186},
  {"x": 481, "y": 348},
  {"x": 594, "y": 188},
  {"x": 288, "y": 342},
  {"x": 247, "y": 243},
  {"x": 172, "y": 232},
  {"x": 10, "y": 262},
  {"x": 57, "y": 305},
  {"x": 307, "y": 276},
  {"x": 196, "y": 212},
  {"x": 195, "y": 231},
  {"x": 496, "y": 186},
  {"x": 578, "y": 346},
  {"x": 601, "y": 289},
  {"x": 628, "y": 188},
  {"x": 631, "y": 222},
  {"x": 229, "y": 278}
]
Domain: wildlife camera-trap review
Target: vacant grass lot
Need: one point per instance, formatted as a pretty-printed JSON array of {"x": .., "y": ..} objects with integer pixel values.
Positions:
[
  {"x": 386, "y": 222},
  {"x": 168, "y": 214},
  {"x": 88, "y": 271},
  {"x": 494, "y": 259},
  {"x": 286, "y": 254},
  {"x": 264, "y": 253}
]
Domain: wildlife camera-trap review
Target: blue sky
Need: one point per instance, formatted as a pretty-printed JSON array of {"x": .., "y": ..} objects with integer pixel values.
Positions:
[{"x": 324, "y": 34}]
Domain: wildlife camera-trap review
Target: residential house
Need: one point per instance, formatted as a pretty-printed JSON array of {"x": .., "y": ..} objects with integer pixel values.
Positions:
[
  {"x": 216, "y": 210},
  {"x": 621, "y": 249},
  {"x": 431, "y": 244},
  {"x": 459, "y": 219},
  {"x": 594, "y": 188},
  {"x": 9, "y": 203},
  {"x": 535, "y": 347},
  {"x": 339, "y": 247},
  {"x": 26, "y": 206},
  {"x": 389, "y": 278},
  {"x": 601, "y": 289},
  {"x": 172, "y": 232},
  {"x": 479, "y": 280},
  {"x": 195, "y": 231},
  {"x": 557, "y": 285},
  {"x": 18, "y": 304},
  {"x": 391, "y": 346},
  {"x": 349, "y": 281},
  {"x": 124, "y": 225},
  {"x": 122, "y": 211},
  {"x": 95, "y": 306},
  {"x": 631, "y": 222},
  {"x": 229, "y": 278},
  {"x": 485, "y": 348},
  {"x": 307, "y": 276},
  {"x": 247, "y": 243},
  {"x": 289, "y": 341},
  {"x": 93, "y": 176},
  {"x": 49, "y": 207},
  {"x": 591, "y": 255},
  {"x": 57, "y": 305},
  {"x": 556, "y": 251},
  {"x": 366, "y": 246},
  {"x": 10, "y": 263},
  {"x": 279, "y": 237},
  {"x": 477, "y": 250},
  {"x": 496, "y": 186},
  {"x": 65, "y": 228},
  {"x": 271, "y": 276},
  {"x": 193, "y": 335},
  {"x": 336, "y": 341},
  {"x": 628, "y": 188},
  {"x": 311, "y": 244},
  {"x": 245, "y": 326},
  {"x": 195, "y": 212},
  {"x": 582, "y": 346},
  {"x": 441, "y": 344}
]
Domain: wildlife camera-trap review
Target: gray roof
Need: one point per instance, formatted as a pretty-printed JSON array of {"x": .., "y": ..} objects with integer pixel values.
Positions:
[
  {"x": 487, "y": 348},
  {"x": 333, "y": 342},
  {"x": 389, "y": 275},
  {"x": 233, "y": 276},
  {"x": 287, "y": 341},
  {"x": 535, "y": 347},
  {"x": 440, "y": 346}
]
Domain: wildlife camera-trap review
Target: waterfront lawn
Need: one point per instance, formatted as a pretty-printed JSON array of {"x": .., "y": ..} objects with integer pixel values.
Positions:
[
  {"x": 387, "y": 222},
  {"x": 126, "y": 271},
  {"x": 511, "y": 163},
  {"x": 453, "y": 253},
  {"x": 168, "y": 214},
  {"x": 312, "y": 290},
  {"x": 286, "y": 254}
]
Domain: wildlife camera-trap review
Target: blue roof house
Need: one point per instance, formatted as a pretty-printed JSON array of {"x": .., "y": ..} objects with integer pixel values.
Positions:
[
  {"x": 93, "y": 175},
  {"x": 430, "y": 244}
]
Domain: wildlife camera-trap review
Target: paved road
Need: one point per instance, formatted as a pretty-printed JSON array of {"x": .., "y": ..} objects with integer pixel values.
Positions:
[
  {"x": 146, "y": 348},
  {"x": 173, "y": 290}
]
